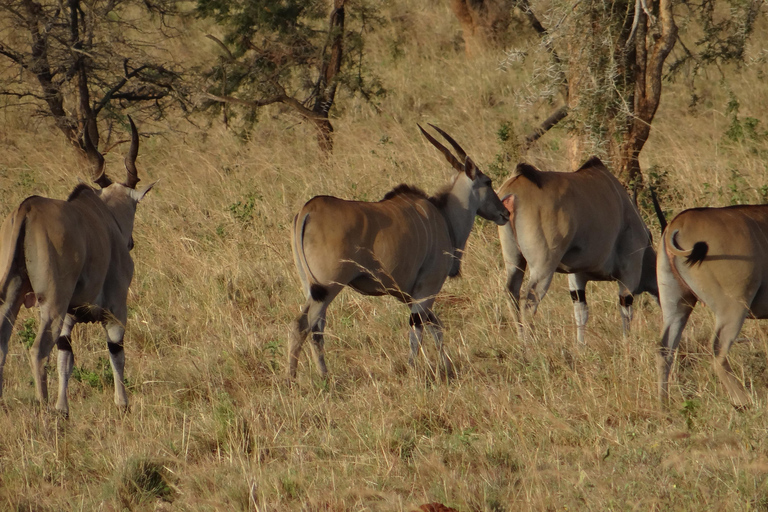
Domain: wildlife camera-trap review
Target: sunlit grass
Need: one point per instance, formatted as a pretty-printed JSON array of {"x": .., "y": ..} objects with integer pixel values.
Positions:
[{"x": 212, "y": 425}]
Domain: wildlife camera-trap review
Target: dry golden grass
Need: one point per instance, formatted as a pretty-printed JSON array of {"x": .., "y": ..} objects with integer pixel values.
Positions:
[{"x": 212, "y": 425}]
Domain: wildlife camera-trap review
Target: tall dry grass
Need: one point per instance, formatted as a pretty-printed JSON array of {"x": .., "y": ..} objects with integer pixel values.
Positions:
[{"x": 212, "y": 425}]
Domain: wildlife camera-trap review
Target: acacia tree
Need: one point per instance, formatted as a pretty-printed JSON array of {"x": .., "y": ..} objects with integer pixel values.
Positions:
[
  {"x": 77, "y": 60},
  {"x": 289, "y": 52},
  {"x": 611, "y": 59}
]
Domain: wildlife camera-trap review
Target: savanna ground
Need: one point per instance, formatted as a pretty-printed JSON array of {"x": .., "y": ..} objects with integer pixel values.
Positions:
[{"x": 212, "y": 426}]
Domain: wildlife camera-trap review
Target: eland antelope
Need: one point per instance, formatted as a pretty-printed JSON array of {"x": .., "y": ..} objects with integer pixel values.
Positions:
[
  {"x": 72, "y": 259},
  {"x": 405, "y": 245},
  {"x": 580, "y": 223},
  {"x": 716, "y": 256}
]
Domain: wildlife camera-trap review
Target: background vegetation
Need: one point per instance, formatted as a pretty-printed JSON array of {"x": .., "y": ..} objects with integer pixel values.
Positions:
[{"x": 212, "y": 425}]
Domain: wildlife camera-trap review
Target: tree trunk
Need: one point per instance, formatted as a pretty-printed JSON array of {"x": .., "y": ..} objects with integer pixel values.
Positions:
[
  {"x": 325, "y": 90},
  {"x": 324, "y": 134},
  {"x": 653, "y": 42},
  {"x": 41, "y": 68}
]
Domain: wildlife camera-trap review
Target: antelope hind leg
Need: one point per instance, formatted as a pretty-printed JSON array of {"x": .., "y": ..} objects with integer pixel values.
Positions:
[
  {"x": 311, "y": 319},
  {"x": 50, "y": 328},
  {"x": 12, "y": 300},
  {"x": 115, "y": 333},
  {"x": 65, "y": 363},
  {"x": 726, "y": 331},
  {"x": 577, "y": 284}
]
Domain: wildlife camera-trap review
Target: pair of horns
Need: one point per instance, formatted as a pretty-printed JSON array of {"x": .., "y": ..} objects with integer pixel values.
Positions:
[
  {"x": 97, "y": 160},
  {"x": 457, "y": 163}
]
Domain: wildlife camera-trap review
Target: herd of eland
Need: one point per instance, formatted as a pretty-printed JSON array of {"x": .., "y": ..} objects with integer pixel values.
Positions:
[{"x": 71, "y": 258}]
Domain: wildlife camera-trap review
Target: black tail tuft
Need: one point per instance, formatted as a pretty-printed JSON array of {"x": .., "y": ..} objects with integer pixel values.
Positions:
[
  {"x": 698, "y": 253},
  {"x": 318, "y": 293}
]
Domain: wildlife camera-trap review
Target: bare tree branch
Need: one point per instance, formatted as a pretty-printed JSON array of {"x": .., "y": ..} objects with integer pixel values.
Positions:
[
  {"x": 548, "y": 124},
  {"x": 221, "y": 45}
]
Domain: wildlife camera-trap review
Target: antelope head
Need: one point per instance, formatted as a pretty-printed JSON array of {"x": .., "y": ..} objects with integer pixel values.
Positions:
[
  {"x": 482, "y": 198},
  {"x": 120, "y": 198}
]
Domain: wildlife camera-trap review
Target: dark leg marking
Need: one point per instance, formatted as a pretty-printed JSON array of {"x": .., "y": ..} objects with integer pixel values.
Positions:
[
  {"x": 419, "y": 319},
  {"x": 626, "y": 301},
  {"x": 64, "y": 343},
  {"x": 114, "y": 348},
  {"x": 318, "y": 293},
  {"x": 579, "y": 296}
]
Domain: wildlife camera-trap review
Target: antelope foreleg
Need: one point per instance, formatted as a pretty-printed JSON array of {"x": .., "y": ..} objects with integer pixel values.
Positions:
[
  {"x": 537, "y": 289},
  {"x": 12, "y": 300},
  {"x": 625, "y": 306},
  {"x": 515, "y": 265},
  {"x": 577, "y": 286},
  {"x": 115, "y": 333},
  {"x": 415, "y": 335},
  {"x": 435, "y": 327}
]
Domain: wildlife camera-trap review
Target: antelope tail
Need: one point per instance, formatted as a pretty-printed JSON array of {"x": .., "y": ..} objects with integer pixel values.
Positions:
[
  {"x": 693, "y": 256},
  {"x": 311, "y": 286}
]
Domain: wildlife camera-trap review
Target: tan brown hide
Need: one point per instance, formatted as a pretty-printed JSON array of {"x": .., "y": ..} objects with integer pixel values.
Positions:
[
  {"x": 716, "y": 256},
  {"x": 405, "y": 245},
  {"x": 379, "y": 248},
  {"x": 72, "y": 259},
  {"x": 581, "y": 223}
]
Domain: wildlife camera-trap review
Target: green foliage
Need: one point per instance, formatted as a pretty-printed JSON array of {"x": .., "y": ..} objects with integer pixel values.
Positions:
[
  {"x": 99, "y": 378},
  {"x": 737, "y": 190},
  {"x": 95, "y": 44},
  {"x": 290, "y": 486},
  {"x": 26, "y": 180},
  {"x": 689, "y": 412},
  {"x": 142, "y": 481},
  {"x": 233, "y": 433},
  {"x": 724, "y": 30},
  {"x": 273, "y": 347},
  {"x": 28, "y": 332},
  {"x": 503, "y": 458},
  {"x": 271, "y": 47},
  {"x": 744, "y": 130},
  {"x": 661, "y": 181},
  {"x": 588, "y": 59},
  {"x": 505, "y": 132},
  {"x": 403, "y": 443},
  {"x": 466, "y": 436},
  {"x": 509, "y": 151},
  {"x": 244, "y": 211}
]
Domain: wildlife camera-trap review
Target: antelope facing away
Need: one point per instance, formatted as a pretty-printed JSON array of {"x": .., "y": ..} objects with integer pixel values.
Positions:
[
  {"x": 72, "y": 259},
  {"x": 405, "y": 245},
  {"x": 580, "y": 223},
  {"x": 716, "y": 256}
]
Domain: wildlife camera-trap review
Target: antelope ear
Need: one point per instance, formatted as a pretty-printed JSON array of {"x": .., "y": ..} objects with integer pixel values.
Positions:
[
  {"x": 509, "y": 203},
  {"x": 138, "y": 195},
  {"x": 470, "y": 168}
]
